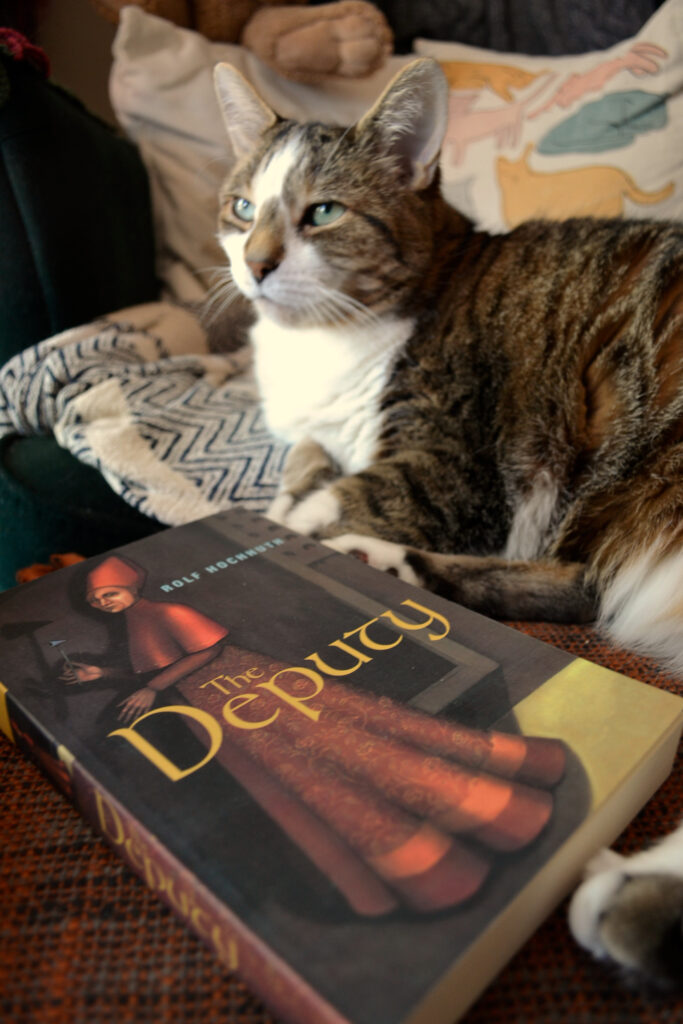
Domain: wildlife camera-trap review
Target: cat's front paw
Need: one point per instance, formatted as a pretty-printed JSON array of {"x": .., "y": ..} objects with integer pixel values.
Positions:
[
  {"x": 308, "y": 467},
  {"x": 310, "y": 516},
  {"x": 304, "y": 502},
  {"x": 634, "y": 921},
  {"x": 280, "y": 508},
  {"x": 380, "y": 554}
]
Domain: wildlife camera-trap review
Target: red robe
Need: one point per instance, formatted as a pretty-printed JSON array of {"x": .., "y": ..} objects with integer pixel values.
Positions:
[{"x": 160, "y": 634}]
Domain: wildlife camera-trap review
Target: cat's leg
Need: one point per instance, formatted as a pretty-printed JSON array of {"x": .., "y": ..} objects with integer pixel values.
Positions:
[
  {"x": 365, "y": 514},
  {"x": 308, "y": 469},
  {"x": 629, "y": 911},
  {"x": 548, "y": 590}
]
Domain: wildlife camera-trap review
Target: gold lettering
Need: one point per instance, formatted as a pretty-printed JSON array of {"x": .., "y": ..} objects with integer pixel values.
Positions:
[
  {"x": 143, "y": 861},
  {"x": 179, "y": 901},
  {"x": 159, "y": 760},
  {"x": 239, "y": 701},
  {"x": 109, "y": 820},
  {"x": 362, "y": 632},
  {"x": 152, "y": 874},
  {"x": 135, "y": 855},
  {"x": 196, "y": 919},
  {"x": 180, "y": 897},
  {"x": 246, "y": 677},
  {"x": 5, "y": 724},
  {"x": 232, "y": 958},
  {"x": 296, "y": 702},
  {"x": 214, "y": 682},
  {"x": 361, "y": 659},
  {"x": 225, "y": 946},
  {"x": 420, "y": 625}
]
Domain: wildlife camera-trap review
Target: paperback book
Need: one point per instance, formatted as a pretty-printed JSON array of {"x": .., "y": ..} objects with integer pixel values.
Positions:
[{"x": 363, "y": 797}]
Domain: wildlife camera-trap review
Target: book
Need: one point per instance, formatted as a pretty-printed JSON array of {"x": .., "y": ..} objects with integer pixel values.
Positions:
[{"x": 363, "y": 797}]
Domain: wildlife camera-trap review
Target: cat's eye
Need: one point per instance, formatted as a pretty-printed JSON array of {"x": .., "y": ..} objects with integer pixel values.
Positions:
[
  {"x": 323, "y": 213},
  {"x": 243, "y": 209}
]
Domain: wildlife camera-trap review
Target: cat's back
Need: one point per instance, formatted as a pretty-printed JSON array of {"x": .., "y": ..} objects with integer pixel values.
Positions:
[
  {"x": 551, "y": 291},
  {"x": 544, "y": 270},
  {"x": 555, "y": 326}
]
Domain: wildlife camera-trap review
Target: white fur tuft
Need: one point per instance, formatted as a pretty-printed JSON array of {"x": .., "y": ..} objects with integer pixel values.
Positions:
[
  {"x": 528, "y": 536},
  {"x": 643, "y": 607},
  {"x": 316, "y": 511}
]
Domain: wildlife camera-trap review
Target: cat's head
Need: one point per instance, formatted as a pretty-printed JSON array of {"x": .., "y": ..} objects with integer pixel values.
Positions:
[{"x": 322, "y": 224}]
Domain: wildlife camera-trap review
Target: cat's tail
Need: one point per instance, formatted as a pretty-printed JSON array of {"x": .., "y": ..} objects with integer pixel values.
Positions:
[{"x": 642, "y": 606}]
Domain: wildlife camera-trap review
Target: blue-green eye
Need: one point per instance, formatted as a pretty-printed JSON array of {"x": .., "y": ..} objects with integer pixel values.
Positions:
[
  {"x": 324, "y": 213},
  {"x": 244, "y": 210}
]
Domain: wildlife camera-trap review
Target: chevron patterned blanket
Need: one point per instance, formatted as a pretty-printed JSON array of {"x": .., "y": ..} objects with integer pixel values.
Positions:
[{"x": 175, "y": 430}]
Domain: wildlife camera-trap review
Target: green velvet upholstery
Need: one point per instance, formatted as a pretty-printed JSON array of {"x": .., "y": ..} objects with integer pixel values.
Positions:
[
  {"x": 76, "y": 241},
  {"x": 75, "y": 213},
  {"x": 52, "y": 503}
]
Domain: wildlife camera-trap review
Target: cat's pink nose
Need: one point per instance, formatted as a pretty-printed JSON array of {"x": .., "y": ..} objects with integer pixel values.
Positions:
[{"x": 261, "y": 268}]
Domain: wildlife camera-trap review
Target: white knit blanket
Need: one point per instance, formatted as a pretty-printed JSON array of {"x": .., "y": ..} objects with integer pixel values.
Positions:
[{"x": 175, "y": 430}]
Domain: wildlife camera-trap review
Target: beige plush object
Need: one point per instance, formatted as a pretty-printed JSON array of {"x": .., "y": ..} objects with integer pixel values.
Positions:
[{"x": 346, "y": 38}]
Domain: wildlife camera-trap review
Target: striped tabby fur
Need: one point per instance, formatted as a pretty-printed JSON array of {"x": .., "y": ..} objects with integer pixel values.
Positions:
[{"x": 497, "y": 418}]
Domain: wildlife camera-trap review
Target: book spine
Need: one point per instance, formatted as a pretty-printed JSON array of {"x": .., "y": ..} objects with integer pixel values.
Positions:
[{"x": 287, "y": 995}]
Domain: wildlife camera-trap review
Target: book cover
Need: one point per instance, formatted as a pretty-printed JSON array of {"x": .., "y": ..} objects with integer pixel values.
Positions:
[{"x": 363, "y": 797}]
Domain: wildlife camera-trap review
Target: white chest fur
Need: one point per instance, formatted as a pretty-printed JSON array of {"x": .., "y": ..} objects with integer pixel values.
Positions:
[{"x": 325, "y": 383}]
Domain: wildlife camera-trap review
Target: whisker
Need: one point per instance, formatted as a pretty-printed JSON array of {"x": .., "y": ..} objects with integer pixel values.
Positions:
[
  {"x": 220, "y": 296},
  {"x": 322, "y": 304},
  {"x": 353, "y": 307},
  {"x": 218, "y": 268},
  {"x": 227, "y": 291}
]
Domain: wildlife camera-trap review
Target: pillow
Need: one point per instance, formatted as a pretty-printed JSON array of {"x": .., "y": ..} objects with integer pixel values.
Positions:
[
  {"x": 599, "y": 134},
  {"x": 594, "y": 134},
  {"x": 161, "y": 89}
]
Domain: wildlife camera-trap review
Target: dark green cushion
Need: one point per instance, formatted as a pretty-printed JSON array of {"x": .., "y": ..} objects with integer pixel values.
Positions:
[
  {"x": 77, "y": 236},
  {"x": 50, "y": 503},
  {"x": 76, "y": 241}
]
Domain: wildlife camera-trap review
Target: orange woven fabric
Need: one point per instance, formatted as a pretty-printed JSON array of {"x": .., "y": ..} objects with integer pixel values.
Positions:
[{"x": 82, "y": 941}]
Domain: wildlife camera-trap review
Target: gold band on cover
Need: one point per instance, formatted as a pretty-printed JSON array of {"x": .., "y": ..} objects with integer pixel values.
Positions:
[{"x": 5, "y": 724}]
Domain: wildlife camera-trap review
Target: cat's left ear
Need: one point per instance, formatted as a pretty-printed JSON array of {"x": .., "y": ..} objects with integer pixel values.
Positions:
[
  {"x": 410, "y": 118},
  {"x": 245, "y": 115}
]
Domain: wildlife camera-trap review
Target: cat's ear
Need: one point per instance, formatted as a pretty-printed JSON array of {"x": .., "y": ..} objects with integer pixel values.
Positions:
[
  {"x": 245, "y": 114},
  {"x": 410, "y": 118}
]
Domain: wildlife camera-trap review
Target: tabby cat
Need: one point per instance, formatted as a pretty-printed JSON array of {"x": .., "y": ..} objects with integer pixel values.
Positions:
[{"x": 496, "y": 418}]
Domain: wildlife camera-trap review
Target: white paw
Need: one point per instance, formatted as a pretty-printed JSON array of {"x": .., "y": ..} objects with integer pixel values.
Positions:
[
  {"x": 636, "y": 922},
  {"x": 588, "y": 905},
  {"x": 604, "y": 860},
  {"x": 314, "y": 513},
  {"x": 280, "y": 507},
  {"x": 380, "y": 554}
]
